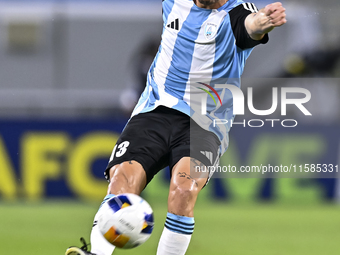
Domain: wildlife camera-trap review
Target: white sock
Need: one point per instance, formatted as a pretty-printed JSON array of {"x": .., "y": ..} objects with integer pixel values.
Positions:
[
  {"x": 172, "y": 243},
  {"x": 176, "y": 235},
  {"x": 99, "y": 245}
]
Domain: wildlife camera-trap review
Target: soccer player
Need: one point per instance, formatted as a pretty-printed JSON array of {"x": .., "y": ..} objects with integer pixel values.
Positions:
[{"x": 204, "y": 43}]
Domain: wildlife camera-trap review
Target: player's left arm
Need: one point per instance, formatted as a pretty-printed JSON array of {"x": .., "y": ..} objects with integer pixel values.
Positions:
[{"x": 265, "y": 20}]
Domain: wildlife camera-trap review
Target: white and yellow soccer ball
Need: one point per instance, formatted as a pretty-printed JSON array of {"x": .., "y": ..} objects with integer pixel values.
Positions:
[{"x": 126, "y": 220}]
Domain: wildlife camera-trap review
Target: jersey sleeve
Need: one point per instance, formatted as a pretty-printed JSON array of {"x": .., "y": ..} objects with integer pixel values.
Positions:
[{"x": 237, "y": 18}]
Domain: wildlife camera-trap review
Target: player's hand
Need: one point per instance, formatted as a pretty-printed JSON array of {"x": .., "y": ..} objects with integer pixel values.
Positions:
[
  {"x": 275, "y": 13},
  {"x": 269, "y": 17}
]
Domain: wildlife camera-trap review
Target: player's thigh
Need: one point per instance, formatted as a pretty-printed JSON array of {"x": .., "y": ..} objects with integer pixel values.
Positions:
[{"x": 127, "y": 177}]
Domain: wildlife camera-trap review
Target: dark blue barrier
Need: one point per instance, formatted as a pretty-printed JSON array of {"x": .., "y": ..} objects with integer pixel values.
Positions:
[
  {"x": 51, "y": 158},
  {"x": 35, "y": 156}
]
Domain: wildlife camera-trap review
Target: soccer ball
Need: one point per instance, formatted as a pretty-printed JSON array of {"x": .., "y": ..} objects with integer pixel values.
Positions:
[{"x": 126, "y": 220}]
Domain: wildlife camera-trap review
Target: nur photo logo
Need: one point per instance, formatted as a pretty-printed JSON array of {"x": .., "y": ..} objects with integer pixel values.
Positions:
[{"x": 239, "y": 104}]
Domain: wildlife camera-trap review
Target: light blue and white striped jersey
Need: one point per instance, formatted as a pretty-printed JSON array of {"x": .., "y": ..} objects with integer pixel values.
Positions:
[{"x": 199, "y": 49}]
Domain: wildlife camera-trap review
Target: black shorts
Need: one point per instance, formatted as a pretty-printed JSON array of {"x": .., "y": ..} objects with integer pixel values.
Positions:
[{"x": 161, "y": 138}]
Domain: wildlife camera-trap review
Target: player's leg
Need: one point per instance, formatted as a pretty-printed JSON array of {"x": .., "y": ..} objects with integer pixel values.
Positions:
[
  {"x": 179, "y": 225},
  {"x": 192, "y": 146},
  {"x": 184, "y": 188},
  {"x": 127, "y": 177},
  {"x": 133, "y": 164}
]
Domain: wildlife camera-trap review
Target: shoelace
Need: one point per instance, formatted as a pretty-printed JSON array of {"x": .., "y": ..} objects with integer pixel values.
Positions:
[{"x": 85, "y": 245}]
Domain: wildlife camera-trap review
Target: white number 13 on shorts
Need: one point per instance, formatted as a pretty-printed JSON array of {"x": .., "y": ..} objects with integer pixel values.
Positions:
[{"x": 121, "y": 149}]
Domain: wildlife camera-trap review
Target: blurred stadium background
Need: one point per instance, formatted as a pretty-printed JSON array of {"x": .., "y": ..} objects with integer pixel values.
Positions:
[{"x": 70, "y": 73}]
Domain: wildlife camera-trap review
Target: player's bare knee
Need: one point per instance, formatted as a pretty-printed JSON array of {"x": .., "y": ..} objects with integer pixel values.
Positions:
[
  {"x": 182, "y": 199},
  {"x": 184, "y": 191}
]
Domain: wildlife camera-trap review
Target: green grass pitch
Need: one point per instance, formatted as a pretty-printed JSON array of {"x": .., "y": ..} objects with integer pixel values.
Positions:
[{"x": 221, "y": 228}]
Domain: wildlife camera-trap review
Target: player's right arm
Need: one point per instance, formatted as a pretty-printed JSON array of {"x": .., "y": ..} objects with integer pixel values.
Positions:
[{"x": 260, "y": 23}]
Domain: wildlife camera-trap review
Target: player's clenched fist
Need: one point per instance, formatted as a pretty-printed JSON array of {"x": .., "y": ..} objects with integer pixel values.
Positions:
[
  {"x": 275, "y": 13},
  {"x": 261, "y": 23}
]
